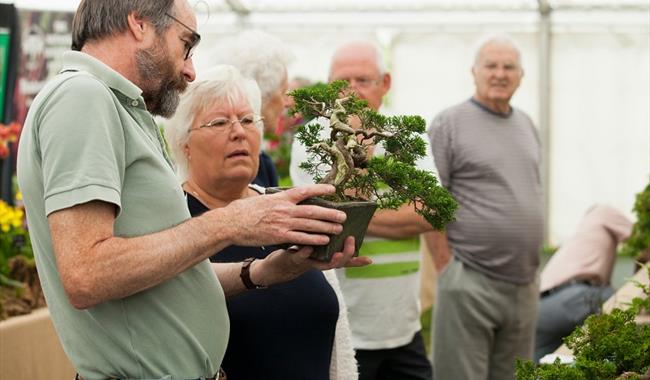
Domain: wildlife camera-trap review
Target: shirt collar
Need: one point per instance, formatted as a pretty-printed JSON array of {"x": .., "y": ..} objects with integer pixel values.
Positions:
[
  {"x": 79, "y": 61},
  {"x": 484, "y": 108}
]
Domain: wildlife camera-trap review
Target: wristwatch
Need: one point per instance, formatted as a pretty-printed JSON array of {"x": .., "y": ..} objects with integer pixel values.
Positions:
[{"x": 245, "y": 275}]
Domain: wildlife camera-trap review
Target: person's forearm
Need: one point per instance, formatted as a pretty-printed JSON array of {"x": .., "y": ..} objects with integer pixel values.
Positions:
[
  {"x": 96, "y": 266},
  {"x": 398, "y": 224},
  {"x": 118, "y": 267},
  {"x": 282, "y": 266},
  {"x": 228, "y": 274},
  {"x": 438, "y": 246}
]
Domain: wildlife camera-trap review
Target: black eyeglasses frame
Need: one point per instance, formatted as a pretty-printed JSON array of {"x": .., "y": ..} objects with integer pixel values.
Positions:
[{"x": 189, "y": 45}]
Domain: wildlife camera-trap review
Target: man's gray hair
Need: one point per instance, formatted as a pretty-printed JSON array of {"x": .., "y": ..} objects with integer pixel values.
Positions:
[
  {"x": 378, "y": 57},
  {"x": 257, "y": 55},
  {"x": 221, "y": 84},
  {"x": 97, "y": 19},
  {"x": 495, "y": 39}
]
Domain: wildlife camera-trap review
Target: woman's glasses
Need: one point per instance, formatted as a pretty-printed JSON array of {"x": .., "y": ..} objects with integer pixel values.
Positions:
[{"x": 222, "y": 123}]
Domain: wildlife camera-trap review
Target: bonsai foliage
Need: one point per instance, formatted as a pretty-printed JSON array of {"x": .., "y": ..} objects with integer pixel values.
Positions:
[
  {"x": 639, "y": 240},
  {"x": 607, "y": 346},
  {"x": 343, "y": 157}
]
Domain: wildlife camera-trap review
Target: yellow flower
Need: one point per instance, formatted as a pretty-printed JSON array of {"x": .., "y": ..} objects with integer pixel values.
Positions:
[{"x": 10, "y": 217}]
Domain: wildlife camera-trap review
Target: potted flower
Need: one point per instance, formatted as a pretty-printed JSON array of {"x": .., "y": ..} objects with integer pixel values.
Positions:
[
  {"x": 340, "y": 140},
  {"x": 8, "y": 134}
]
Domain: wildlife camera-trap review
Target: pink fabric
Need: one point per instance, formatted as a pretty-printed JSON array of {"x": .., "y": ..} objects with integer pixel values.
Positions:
[{"x": 590, "y": 253}]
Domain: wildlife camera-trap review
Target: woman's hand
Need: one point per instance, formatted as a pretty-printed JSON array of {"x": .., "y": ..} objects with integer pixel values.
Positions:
[{"x": 285, "y": 265}]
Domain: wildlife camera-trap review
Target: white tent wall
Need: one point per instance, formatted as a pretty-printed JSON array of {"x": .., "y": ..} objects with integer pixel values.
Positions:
[
  {"x": 600, "y": 87},
  {"x": 600, "y": 122}
]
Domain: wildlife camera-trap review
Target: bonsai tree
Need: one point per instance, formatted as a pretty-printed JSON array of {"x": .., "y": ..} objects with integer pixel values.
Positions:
[
  {"x": 342, "y": 157},
  {"x": 638, "y": 245},
  {"x": 608, "y": 346}
]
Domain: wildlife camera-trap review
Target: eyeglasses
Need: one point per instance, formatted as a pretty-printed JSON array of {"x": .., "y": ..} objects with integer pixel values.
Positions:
[
  {"x": 221, "y": 124},
  {"x": 362, "y": 82},
  {"x": 194, "y": 40}
]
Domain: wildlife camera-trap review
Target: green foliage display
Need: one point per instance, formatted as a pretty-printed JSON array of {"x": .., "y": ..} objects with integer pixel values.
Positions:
[
  {"x": 342, "y": 157},
  {"x": 527, "y": 370},
  {"x": 640, "y": 238},
  {"x": 607, "y": 346}
]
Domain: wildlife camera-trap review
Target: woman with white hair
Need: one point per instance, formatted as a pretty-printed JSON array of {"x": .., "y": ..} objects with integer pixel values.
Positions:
[
  {"x": 264, "y": 58},
  {"x": 286, "y": 331}
]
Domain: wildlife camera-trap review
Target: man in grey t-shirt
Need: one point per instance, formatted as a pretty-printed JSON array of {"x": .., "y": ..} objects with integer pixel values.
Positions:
[
  {"x": 488, "y": 156},
  {"x": 124, "y": 269}
]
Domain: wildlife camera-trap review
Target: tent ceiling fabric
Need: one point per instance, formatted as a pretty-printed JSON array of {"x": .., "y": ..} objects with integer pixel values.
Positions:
[{"x": 301, "y": 6}]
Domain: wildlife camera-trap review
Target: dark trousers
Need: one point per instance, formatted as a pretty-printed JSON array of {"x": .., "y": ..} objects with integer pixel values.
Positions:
[
  {"x": 405, "y": 362},
  {"x": 564, "y": 309}
]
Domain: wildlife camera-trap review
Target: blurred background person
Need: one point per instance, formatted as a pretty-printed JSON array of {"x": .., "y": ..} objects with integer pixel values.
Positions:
[
  {"x": 264, "y": 58},
  {"x": 289, "y": 122},
  {"x": 576, "y": 280},
  {"x": 283, "y": 332},
  {"x": 279, "y": 142},
  {"x": 488, "y": 156}
]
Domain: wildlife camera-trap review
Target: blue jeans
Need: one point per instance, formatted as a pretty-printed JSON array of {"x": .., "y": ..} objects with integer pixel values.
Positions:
[{"x": 561, "y": 311}]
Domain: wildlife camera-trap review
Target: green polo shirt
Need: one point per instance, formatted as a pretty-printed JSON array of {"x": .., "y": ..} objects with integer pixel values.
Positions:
[{"x": 88, "y": 136}]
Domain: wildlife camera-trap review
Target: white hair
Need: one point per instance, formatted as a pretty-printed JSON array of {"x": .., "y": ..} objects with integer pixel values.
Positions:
[
  {"x": 380, "y": 63},
  {"x": 379, "y": 58},
  {"x": 257, "y": 55},
  {"x": 221, "y": 84},
  {"x": 495, "y": 39}
]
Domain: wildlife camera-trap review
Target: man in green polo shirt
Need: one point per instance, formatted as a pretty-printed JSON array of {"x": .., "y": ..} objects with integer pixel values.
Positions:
[{"x": 123, "y": 266}]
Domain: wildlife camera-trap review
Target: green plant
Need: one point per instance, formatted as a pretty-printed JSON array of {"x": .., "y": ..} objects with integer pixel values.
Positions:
[
  {"x": 639, "y": 240},
  {"x": 607, "y": 346},
  {"x": 610, "y": 344},
  {"x": 527, "y": 370},
  {"x": 342, "y": 158}
]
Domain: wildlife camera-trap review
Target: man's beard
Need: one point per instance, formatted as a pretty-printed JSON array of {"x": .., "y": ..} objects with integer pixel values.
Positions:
[{"x": 161, "y": 85}]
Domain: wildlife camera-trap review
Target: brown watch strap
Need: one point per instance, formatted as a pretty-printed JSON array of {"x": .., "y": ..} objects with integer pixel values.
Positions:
[{"x": 245, "y": 275}]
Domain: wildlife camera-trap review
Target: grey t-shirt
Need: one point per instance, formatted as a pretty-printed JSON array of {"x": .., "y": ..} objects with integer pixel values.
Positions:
[
  {"x": 490, "y": 163},
  {"x": 88, "y": 136}
]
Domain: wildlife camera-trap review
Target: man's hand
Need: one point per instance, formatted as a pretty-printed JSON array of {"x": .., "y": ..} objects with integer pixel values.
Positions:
[
  {"x": 438, "y": 246},
  {"x": 276, "y": 218},
  {"x": 285, "y": 265}
]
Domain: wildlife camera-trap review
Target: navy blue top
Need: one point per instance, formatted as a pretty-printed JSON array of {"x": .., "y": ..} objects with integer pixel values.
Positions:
[
  {"x": 267, "y": 176},
  {"x": 284, "y": 332}
]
